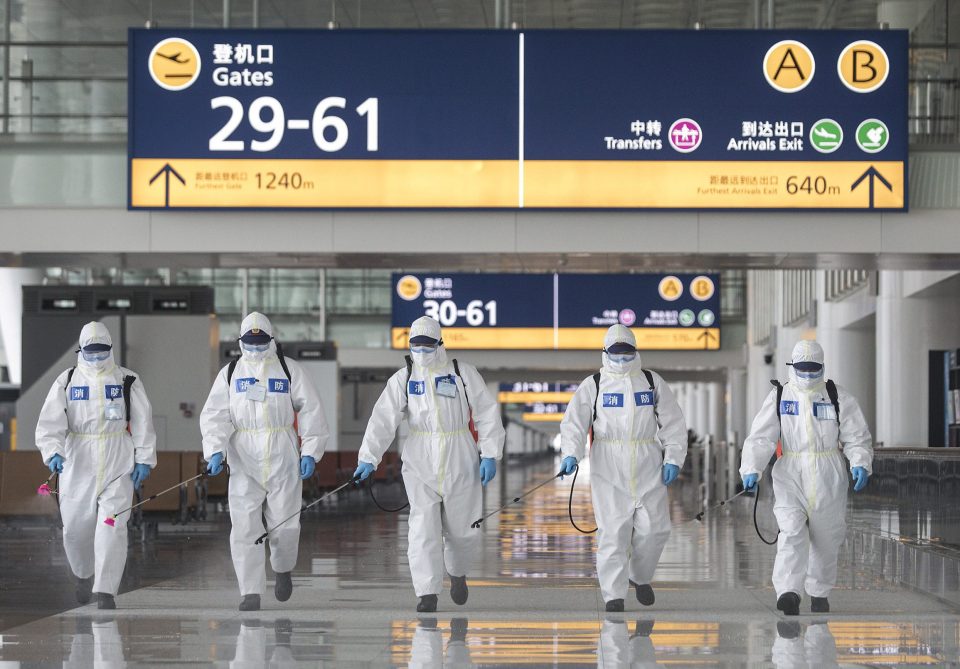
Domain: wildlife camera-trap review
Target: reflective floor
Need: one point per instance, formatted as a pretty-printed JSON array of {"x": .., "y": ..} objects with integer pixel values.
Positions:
[{"x": 533, "y": 600}]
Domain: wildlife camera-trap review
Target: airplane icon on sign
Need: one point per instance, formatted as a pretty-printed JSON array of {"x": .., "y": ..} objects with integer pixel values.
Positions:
[{"x": 175, "y": 58}]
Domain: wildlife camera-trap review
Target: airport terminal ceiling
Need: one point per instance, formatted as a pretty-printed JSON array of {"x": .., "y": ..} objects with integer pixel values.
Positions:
[
  {"x": 113, "y": 17},
  {"x": 526, "y": 262}
]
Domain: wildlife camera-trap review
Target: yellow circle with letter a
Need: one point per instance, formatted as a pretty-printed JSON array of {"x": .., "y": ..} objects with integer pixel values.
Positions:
[
  {"x": 789, "y": 66},
  {"x": 174, "y": 64},
  {"x": 702, "y": 288},
  {"x": 409, "y": 288},
  {"x": 671, "y": 288},
  {"x": 863, "y": 66}
]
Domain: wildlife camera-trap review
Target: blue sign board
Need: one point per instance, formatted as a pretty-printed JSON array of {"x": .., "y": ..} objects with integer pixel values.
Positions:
[
  {"x": 790, "y": 119},
  {"x": 560, "y": 311}
]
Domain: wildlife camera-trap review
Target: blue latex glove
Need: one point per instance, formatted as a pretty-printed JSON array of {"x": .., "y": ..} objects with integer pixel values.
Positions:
[
  {"x": 307, "y": 466},
  {"x": 215, "y": 465},
  {"x": 568, "y": 466},
  {"x": 860, "y": 478},
  {"x": 750, "y": 481},
  {"x": 55, "y": 464},
  {"x": 364, "y": 470},
  {"x": 670, "y": 473},
  {"x": 140, "y": 474},
  {"x": 488, "y": 469}
]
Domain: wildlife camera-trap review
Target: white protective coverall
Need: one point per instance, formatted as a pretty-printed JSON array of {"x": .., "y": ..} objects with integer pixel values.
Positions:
[
  {"x": 99, "y": 648},
  {"x": 621, "y": 648},
  {"x": 99, "y": 456},
  {"x": 259, "y": 442},
  {"x": 814, "y": 649},
  {"x": 441, "y": 468},
  {"x": 810, "y": 481},
  {"x": 635, "y": 434}
]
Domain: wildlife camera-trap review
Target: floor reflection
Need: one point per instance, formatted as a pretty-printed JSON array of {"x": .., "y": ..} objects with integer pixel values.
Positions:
[{"x": 533, "y": 599}]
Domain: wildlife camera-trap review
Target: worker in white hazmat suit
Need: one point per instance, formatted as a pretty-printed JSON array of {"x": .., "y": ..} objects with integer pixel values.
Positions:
[
  {"x": 639, "y": 445},
  {"x": 96, "y": 428},
  {"x": 248, "y": 422},
  {"x": 443, "y": 470},
  {"x": 818, "y": 424}
]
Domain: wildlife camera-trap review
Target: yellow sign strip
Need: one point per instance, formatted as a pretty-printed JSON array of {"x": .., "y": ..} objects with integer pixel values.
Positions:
[
  {"x": 715, "y": 184},
  {"x": 510, "y": 397},
  {"x": 647, "y": 338},
  {"x": 695, "y": 338},
  {"x": 542, "y": 417},
  {"x": 485, "y": 338},
  {"x": 323, "y": 183}
]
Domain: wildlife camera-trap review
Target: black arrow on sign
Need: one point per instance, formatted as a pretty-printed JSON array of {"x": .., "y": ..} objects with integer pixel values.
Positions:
[
  {"x": 706, "y": 336},
  {"x": 872, "y": 173},
  {"x": 167, "y": 170}
]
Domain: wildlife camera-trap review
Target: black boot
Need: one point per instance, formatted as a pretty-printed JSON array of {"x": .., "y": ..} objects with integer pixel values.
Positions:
[
  {"x": 789, "y": 603},
  {"x": 645, "y": 594},
  {"x": 615, "y": 606},
  {"x": 819, "y": 605},
  {"x": 283, "y": 629},
  {"x": 458, "y": 590},
  {"x": 643, "y": 628},
  {"x": 788, "y": 630},
  {"x": 427, "y": 604},
  {"x": 250, "y": 603},
  {"x": 458, "y": 629},
  {"x": 283, "y": 588},
  {"x": 105, "y": 601},
  {"x": 84, "y": 590}
]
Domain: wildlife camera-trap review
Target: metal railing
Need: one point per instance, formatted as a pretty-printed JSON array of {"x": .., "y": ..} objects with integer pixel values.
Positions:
[
  {"x": 799, "y": 293},
  {"x": 762, "y": 299},
  {"x": 842, "y": 282}
]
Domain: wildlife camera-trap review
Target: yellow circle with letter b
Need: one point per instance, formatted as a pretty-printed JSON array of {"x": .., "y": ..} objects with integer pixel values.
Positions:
[{"x": 863, "y": 66}]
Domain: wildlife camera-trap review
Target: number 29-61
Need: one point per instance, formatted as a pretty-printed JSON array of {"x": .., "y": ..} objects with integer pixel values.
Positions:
[{"x": 265, "y": 115}]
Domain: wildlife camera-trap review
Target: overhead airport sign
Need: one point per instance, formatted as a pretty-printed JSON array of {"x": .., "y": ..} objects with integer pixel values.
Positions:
[
  {"x": 497, "y": 119},
  {"x": 560, "y": 311}
]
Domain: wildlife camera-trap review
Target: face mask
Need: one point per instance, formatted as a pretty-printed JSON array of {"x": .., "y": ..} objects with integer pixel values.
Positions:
[
  {"x": 95, "y": 356},
  {"x": 808, "y": 380},
  {"x": 424, "y": 359}
]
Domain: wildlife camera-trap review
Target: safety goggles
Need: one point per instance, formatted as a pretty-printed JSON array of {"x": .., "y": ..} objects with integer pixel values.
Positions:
[
  {"x": 254, "y": 348},
  {"x": 622, "y": 357},
  {"x": 423, "y": 348},
  {"x": 95, "y": 356},
  {"x": 807, "y": 367}
]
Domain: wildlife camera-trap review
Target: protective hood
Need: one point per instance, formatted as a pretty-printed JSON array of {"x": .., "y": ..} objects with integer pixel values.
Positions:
[
  {"x": 807, "y": 350},
  {"x": 257, "y": 322},
  {"x": 95, "y": 333},
  {"x": 428, "y": 327},
  {"x": 619, "y": 334}
]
